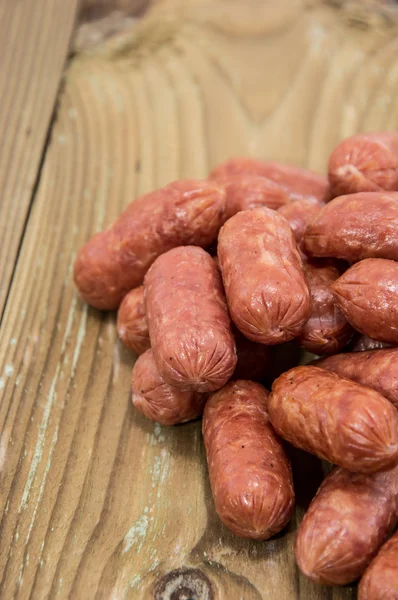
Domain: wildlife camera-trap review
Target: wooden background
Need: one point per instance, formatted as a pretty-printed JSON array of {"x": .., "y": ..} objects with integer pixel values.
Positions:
[{"x": 96, "y": 501}]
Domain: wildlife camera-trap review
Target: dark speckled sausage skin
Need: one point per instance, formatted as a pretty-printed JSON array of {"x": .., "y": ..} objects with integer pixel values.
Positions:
[
  {"x": 327, "y": 330},
  {"x": 189, "y": 326},
  {"x": 131, "y": 321},
  {"x": 346, "y": 524},
  {"x": 250, "y": 474},
  {"x": 377, "y": 369},
  {"x": 115, "y": 261},
  {"x": 366, "y": 162},
  {"x": 267, "y": 293},
  {"x": 355, "y": 227},
  {"x": 298, "y": 182},
  {"x": 158, "y": 400},
  {"x": 339, "y": 420},
  {"x": 380, "y": 580},
  {"x": 367, "y": 294}
]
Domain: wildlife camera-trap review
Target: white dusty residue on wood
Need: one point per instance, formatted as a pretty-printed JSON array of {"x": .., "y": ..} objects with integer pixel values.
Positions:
[
  {"x": 135, "y": 537},
  {"x": 38, "y": 452},
  {"x": 81, "y": 334},
  {"x": 69, "y": 322}
]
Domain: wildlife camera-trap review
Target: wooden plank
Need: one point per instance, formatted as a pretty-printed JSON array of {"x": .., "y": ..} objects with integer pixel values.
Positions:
[
  {"x": 97, "y": 501},
  {"x": 34, "y": 39}
]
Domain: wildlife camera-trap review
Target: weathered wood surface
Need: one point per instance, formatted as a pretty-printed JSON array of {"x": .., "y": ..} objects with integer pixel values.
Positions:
[
  {"x": 96, "y": 501},
  {"x": 30, "y": 77}
]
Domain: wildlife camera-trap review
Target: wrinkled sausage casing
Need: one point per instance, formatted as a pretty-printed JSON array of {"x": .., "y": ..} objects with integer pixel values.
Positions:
[
  {"x": 158, "y": 400},
  {"x": 249, "y": 191},
  {"x": 189, "y": 326},
  {"x": 355, "y": 227},
  {"x": 250, "y": 474},
  {"x": 327, "y": 330},
  {"x": 297, "y": 181},
  {"x": 267, "y": 293},
  {"x": 367, "y": 294},
  {"x": 380, "y": 580},
  {"x": 337, "y": 419},
  {"x": 377, "y": 369},
  {"x": 115, "y": 261},
  {"x": 346, "y": 524},
  {"x": 364, "y": 163},
  {"x": 299, "y": 214},
  {"x": 131, "y": 321}
]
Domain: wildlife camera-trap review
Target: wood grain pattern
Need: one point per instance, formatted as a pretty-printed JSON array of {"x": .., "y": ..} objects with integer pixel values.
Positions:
[
  {"x": 98, "y": 502},
  {"x": 30, "y": 76}
]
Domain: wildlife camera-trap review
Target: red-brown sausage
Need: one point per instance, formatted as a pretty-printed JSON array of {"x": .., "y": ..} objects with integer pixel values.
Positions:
[
  {"x": 366, "y": 162},
  {"x": 377, "y": 369},
  {"x": 158, "y": 400},
  {"x": 267, "y": 294},
  {"x": 131, "y": 321},
  {"x": 300, "y": 213},
  {"x": 380, "y": 580},
  {"x": 296, "y": 180},
  {"x": 327, "y": 330},
  {"x": 250, "y": 191},
  {"x": 250, "y": 474},
  {"x": 355, "y": 227},
  {"x": 337, "y": 419},
  {"x": 346, "y": 524},
  {"x": 115, "y": 261},
  {"x": 364, "y": 343},
  {"x": 367, "y": 294},
  {"x": 189, "y": 326}
]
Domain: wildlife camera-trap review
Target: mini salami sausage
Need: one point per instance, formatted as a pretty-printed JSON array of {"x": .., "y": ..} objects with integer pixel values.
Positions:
[
  {"x": 327, "y": 330},
  {"x": 250, "y": 191},
  {"x": 300, "y": 213},
  {"x": 337, "y": 419},
  {"x": 189, "y": 326},
  {"x": 355, "y": 227},
  {"x": 380, "y": 580},
  {"x": 366, "y": 162},
  {"x": 267, "y": 294},
  {"x": 131, "y": 321},
  {"x": 377, "y": 369},
  {"x": 158, "y": 400},
  {"x": 346, "y": 524},
  {"x": 367, "y": 294},
  {"x": 250, "y": 474},
  {"x": 254, "y": 360},
  {"x": 115, "y": 261},
  {"x": 364, "y": 343},
  {"x": 297, "y": 181}
]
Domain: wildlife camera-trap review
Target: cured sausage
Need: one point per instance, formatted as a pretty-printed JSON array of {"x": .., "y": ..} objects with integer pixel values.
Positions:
[
  {"x": 267, "y": 294},
  {"x": 345, "y": 525},
  {"x": 367, "y": 162},
  {"x": 380, "y": 580},
  {"x": 189, "y": 326},
  {"x": 158, "y": 400},
  {"x": 250, "y": 191},
  {"x": 377, "y": 369},
  {"x": 367, "y": 294},
  {"x": 355, "y": 227},
  {"x": 299, "y": 214},
  {"x": 115, "y": 261},
  {"x": 337, "y": 419},
  {"x": 250, "y": 474},
  {"x": 131, "y": 321}
]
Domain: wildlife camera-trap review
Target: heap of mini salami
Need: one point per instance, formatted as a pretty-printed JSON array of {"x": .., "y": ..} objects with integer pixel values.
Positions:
[{"x": 218, "y": 285}]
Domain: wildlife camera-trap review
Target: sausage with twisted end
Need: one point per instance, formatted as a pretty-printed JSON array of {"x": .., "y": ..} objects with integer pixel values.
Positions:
[
  {"x": 337, "y": 419},
  {"x": 189, "y": 326},
  {"x": 115, "y": 261},
  {"x": 131, "y": 321},
  {"x": 250, "y": 474},
  {"x": 380, "y": 580}
]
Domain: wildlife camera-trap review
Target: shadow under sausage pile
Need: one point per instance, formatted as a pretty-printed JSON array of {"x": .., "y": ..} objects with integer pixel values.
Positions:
[{"x": 218, "y": 284}]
